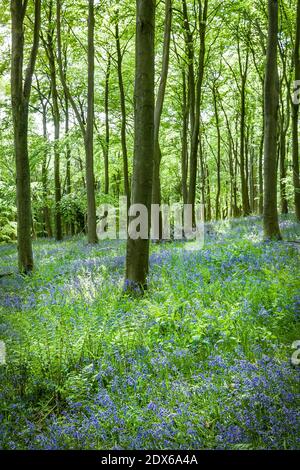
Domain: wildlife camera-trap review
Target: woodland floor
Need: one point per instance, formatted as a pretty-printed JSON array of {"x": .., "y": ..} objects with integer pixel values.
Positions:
[{"x": 202, "y": 361}]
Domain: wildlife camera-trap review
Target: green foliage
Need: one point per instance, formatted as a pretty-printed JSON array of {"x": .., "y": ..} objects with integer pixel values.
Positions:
[
  {"x": 71, "y": 205},
  {"x": 8, "y": 226}
]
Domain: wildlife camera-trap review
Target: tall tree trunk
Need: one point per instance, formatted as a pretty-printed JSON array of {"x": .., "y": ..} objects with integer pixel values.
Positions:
[
  {"x": 137, "y": 259},
  {"x": 86, "y": 129},
  {"x": 260, "y": 167},
  {"x": 49, "y": 47},
  {"x": 271, "y": 225},
  {"x": 243, "y": 166},
  {"x": 20, "y": 95},
  {"x": 106, "y": 144},
  {"x": 124, "y": 117},
  {"x": 46, "y": 212},
  {"x": 231, "y": 174},
  {"x": 203, "y": 175},
  {"x": 189, "y": 44},
  {"x": 252, "y": 179},
  {"x": 44, "y": 101},
  {"x": 156, "y": 190},
  {"x": 195, "y": 133},
  {"x": 209, "y": 212},
  {"x": 71, "y": 227},
  {"x": 184, "y": 139},
  {"x": 56, "y": 119},
  {"x": 89, "y": 135},
  {"x": 295, "y": 116},
  {"x": 218, "y": 212},
  {"x": 284, "y": 126}
]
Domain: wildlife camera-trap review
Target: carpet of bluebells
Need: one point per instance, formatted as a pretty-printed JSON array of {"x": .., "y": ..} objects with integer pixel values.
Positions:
[{"x": 202, "y": 361}]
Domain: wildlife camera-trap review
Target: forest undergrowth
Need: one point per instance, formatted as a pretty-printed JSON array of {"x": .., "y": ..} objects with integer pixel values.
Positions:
[{"x": 202, "y": 361}]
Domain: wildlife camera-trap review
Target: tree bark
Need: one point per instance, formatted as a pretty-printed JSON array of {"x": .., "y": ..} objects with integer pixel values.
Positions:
[
  {"x": 44, "y": 101},
  {"x": 156, "y": 188},
  {"x": 49, "y": 48},
  {"x": 71, "y": 225},
  {"x": 46, "y": 212},
  {"x": 208, "y": 197},
  {"x": 107, "y": 137},
  {"x": 86, "y": 129},
  {"x": 89, "y": 135},
  {"x": 20, "y": 95},
  {"x": 137, "y": 259},
  {"x": 195, "y": 132},
  {"x": 260, "y": 167},
  {"x": 184, "y": 139},
  {"x": 284, "y": 127},
  {"x": 218, "y": 193},
  {"x": 124, "y": 117},
  {"x": 271, "y": 225},
  {"x": 295, "y": 118},
  {"x": 243, "y": 166}
]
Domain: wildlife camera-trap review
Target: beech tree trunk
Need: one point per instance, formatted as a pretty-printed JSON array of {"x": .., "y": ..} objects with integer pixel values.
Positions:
[
  {"x": 218, "y": 193},
  {"x": 271, "y": 225},
  {"x": 46, "y": 211},
  {"x": 156, "y": 189},
  {"x": 295, "y": 118},
  {"x": 137, "y": 259},
  {"x": 260, "y": 168},
  {"x": 284, "y": 127},
  {"x": 89, "y": 135},
  {"x": 107, "y": 137},
  {"x": 20, "y": 95},
  {"x": 196, "y": 128},
  {"x": 208, "y": 197},
  {"x": 124, "y": 117},
  {"x": 49, "y": 48},
  {"x": 86, "y": 128},
  {"x": 184, "y": 139},
  {"x": 243, "y": 165}
]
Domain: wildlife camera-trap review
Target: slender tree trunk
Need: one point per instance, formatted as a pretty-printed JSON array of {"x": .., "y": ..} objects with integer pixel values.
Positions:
[
  {"x": 218, "y": 212},
  {"x": 203, "y": 175},
  {"x": 56, "y": 119},
  {"x": 232, "y": 160},
  {"x": 156, "y": 190},
  {"x": 89, "y": 135},
  {"x": 106, "y": 110},
  {"x": 260, "y": 167},
  {"x": 284, "y": 126},
  {"x": 271, "y": 225},
  {"x": 71, "y": 227},
  {"x": 137, "y": 259},
  {"x": 252, "y": 176},
  {"x": 86, "y": 133},
  {"x": 46, "y": 212},
  {"x": 295, "y": 117},
  {"x": 245, "y": 194},
  {"x": 184, "y": 139},
  {"x": 68, "y": 150},
  {"x": 189, "y": 44},
  {"x": 231, "y": 175},
  {"x": 247, "y": 164},
  {"x": 20, "y": 95},
  {"x": 209, "y": 212},
  {"x": 49, "y": 47},
  {"x": 124, "y": 117},
  {"x": 196, "y": 129}
]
